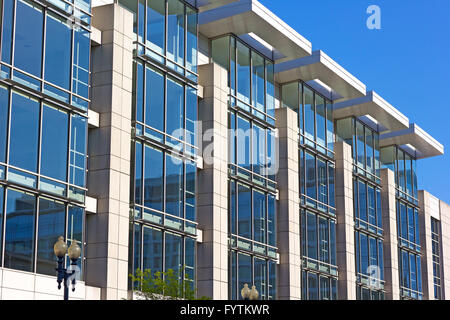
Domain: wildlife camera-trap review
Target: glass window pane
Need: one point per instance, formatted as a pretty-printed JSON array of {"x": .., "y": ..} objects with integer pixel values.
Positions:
[
  {"x": 232, "y": 207},
  {"x": 233, "y": 277},
  {"x": 51, "y": 222},
  {"x": 261, "y": 278},
  {"x": 313, "y": 287},
  {"x": 309, "y": 113},
  {"x": 364, "y": 253},
  {"x": 324, "y": 288},
  {"x": 191, "y": 174},
  {"x": 19, "y": 234},
  {"x": 312, "y": 235},
  {"x": 369, "y": 151},
  {"x": 139, "y": 91},
  {"x": 332, "y": 242},
  {"x": 411, "y": 231},
  {"x": 191, "y": 117},
  {"x": 173, "y": 253},
  {"x": 258, "y": 149},
  {"x": 189, "y": 270},
  {"x": 58, "y": 51},
  {"x": 362, "y": 201},
  {"x": 272, "y": 280},
  {"x": 175, "y": 32},
  {"x": 331, "y": 186},
  {"x": 156, "y": 11},
  {"x": 408, "y": 173},
  {"x": 323, "y": 240},
  {"x": 271, "y": 220},
  {"x": 75, "y": 226},
  {"x": 404, "y": 221},
  {"x": 55, "y": 125},
  {"x": 330, "y": 126},
  {"x": 321, "y": 119},
  {"x": 270, "y": 88},
  {"x": 311, "y": 190},
  {"x": 243, "y": 143},
  {"x": 175, "y": 111},
  {"x": 152, "y": 250},
  {"x": 4, "y": 107},
  {"x": 371, "y": 210},
  {"x": 244, "y": 272},
  {"x": 258, "y": 83},
  {"x": 81, "y": 55},
  {"x": 78, "y": 150},
  {"x": 360, "y": 144},
  {"x": 24, "y": 132},
  {"x": 28, "y": 37},
  {"x": 243, "y": 73},
  {"x": 244, "y": 211},
  {"x": 2, "y": 195},
  {"x": 259, "y": 216},
  {"x": 174, "y": 186},
  {"x": 154, "y": 106},
  {"x": 138, "y": 174},
  {"x": 191, "y": 42},
  {"x": 7, "y": 30},
  {"x": 153, "y": 179},
  {"x": 322, "y": 181}
]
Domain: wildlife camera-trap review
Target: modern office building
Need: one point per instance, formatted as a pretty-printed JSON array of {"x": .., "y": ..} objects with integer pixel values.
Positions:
[{"x": 205, "y": 136}]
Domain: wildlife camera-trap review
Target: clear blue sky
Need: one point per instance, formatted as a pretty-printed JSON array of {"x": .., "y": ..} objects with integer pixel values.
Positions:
[{"x": 407, "y": 62}]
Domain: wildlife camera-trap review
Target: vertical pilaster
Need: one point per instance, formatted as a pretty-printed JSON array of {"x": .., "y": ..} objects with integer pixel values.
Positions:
[
  {"x": 109, "y": 153},
  {"x": 288, "y": 214},
  {"x": 212, "y": 273},
  {"x": 390, "y": 242},
  {"x": 445, "y": 248},
  {"x": 345, "y": 232}
]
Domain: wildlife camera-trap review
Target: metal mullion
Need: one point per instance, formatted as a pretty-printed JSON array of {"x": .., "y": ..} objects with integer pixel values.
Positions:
[{"x": 36, "y": 235}]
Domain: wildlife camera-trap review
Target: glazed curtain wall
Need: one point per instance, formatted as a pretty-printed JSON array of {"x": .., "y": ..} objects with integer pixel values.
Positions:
[{"x": 46, "y": 50}]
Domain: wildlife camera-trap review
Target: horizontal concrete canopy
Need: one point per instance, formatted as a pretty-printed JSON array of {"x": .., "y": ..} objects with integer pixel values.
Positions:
[
  {"x": 425, "y": 145},
  {"x": 320, "y": 66},
  {"x": 205, "y": 5},
  {"x": 376, "y": 107},
  {"x": 249, "y": 16}
]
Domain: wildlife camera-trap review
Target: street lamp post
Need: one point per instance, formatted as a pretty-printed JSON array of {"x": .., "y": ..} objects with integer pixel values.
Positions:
[
  {"x": 74, "y": 252},
  {"x": 248, "y": 294}
]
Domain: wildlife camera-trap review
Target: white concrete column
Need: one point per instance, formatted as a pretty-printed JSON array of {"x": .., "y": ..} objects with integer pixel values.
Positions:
[
  {"x": 288, "y": 213},
  {"x": 212, "y": 259},
  {"x": 345, "y": 228},
  {"x": 109, "y": 153},
  {"x": 390, "y": 243}
]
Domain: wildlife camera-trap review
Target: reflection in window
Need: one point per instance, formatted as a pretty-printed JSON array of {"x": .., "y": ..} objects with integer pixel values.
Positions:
[
  {"x": 152, "y": 250},
  {"x": 19, "y": 230},
  {"x": 24, "y": 132},
  {"x": 174, "y": 186},
  {"x": 51, "y": 222},
  {"x": 175, "y": 32},
  {"x": 4, "y": 104},
  {"x": 156, "y": 12},
  {"x": 153, "y": 179},
  {"x": 54, "y": 143}
]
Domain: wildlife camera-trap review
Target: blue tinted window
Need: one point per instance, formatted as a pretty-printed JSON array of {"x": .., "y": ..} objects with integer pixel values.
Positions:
[
  {"x": 4, "y": 106},
  {"x": 332, "y": 242},
  {"x": 260, "y": 278},
  {"x": 173, "y": 253},
  {"x": 320, "y": 119},
  {"x": 243, "y": 143},
  {"x": 270, "y": 85},
  {"x": 243, "y": 72},
  {"x": 362, "y": 201},
  {"x": 24, "y": 132},
  {"x": 154, "y": 106},
  {"x": 364, "y": 253},
  {"x": 51, "y": 220},
  {"x": 191, "y": 41},
  {"x": 140, "y": 92},
  {"x": 58, "y": 51},
  {"x": 244, "y": 211},
  {"x": 28, "y": 37},
  {"x": 19, "y": 234},
  {"x": 153, "y": 179},
  {"x": 7, "y": 29},
  {"x": 152, "y": 255},
  {"x": 232, "y": 208},
  {"x": 271, "y": 220},
  {"x": 77, "y": 163},
  {"x": 1, "y": 214},
  {"x": 175, "y": 109},
  {"x": 258, "y": 149},
  {"x": 191, "y": 115},
  {"x": 244, "y": 272},
  {"x": 331, "y": 187},
  {"x": 81, "y": 54},
  {"x": 189, "y": 259},
  {"x": 174, "y": 186},
  {"x": 309, "y": 113},
  {"x": 313, "y": 286},
  {"x": 175, "y": 32},
  {"x": 54, "y": 143},
  {"x": 156, "y": 11},
  {"x": 323, "y": 240},
  {"x": 191, "y": 174},
  {"x": 75, "y": 226},
  {"x": 258, "y": 83},
  {"x": 312, "y": 235},
  {"x": 138, "y": 174},
  {"x": 311, "y": 190},
  {"x": 259, "y": 216},
  {"x": 322, "y": 181}
]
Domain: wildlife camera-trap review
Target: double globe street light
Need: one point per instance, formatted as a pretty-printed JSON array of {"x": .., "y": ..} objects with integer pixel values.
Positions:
[
  {"x": 74, "y": 252},
  {"x": 248, "y": 294}
]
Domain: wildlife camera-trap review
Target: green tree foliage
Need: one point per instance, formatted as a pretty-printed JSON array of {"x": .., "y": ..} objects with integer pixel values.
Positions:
[{"x": 167, "y": 285}]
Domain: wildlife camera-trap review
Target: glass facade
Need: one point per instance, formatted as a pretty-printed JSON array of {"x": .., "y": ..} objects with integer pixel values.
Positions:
[
  {"x": 252, "y": 166},
  {"x": 436, "y": 254},
  {"x": 44, "y": 98},
  {"x": 47, "y": 49},
  {"x": 367, "y": 207},
  {"x": 317, "y": 190},
  {"x": 164, "y": 117}
]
